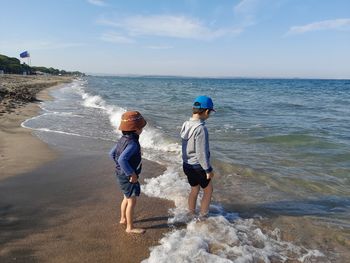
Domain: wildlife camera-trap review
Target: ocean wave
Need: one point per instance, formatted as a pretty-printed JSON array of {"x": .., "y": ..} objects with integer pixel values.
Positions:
[{"x": 151, "y": 138}]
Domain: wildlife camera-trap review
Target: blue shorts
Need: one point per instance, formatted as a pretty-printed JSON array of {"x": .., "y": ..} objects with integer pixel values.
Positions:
[
  {"x": 128, "y": 189},
  {"x": 196, "y": 175}
]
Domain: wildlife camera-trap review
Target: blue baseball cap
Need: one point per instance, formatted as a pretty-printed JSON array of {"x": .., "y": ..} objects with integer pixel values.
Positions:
[{"x": 203, "y": 102}]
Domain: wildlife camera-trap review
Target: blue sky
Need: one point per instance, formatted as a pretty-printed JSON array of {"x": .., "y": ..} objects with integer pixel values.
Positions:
[{"x": 238, "y": 38}]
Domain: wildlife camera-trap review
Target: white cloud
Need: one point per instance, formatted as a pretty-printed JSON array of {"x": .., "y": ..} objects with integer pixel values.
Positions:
[
  {"x": 167, "y": 26},
  {"x": 335, "y": 24},
  {"x": 116, "y": 38},
  {"x": 97, "y": 2}
]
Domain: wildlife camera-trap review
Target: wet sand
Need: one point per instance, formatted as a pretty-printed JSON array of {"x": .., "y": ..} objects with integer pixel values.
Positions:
[
  {"x": 68, "y": 211},
  {"x": 20, "y": 151}
]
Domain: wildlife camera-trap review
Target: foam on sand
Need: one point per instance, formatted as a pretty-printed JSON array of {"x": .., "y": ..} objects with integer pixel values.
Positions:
[{"x": 223, "y": 237}]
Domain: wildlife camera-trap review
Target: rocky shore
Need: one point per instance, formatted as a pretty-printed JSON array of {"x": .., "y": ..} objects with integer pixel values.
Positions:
[{"x": 18, "y": 90}]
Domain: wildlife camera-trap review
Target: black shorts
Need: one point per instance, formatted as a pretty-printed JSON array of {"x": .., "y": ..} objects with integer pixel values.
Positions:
[{"x": 196, "y": 175}]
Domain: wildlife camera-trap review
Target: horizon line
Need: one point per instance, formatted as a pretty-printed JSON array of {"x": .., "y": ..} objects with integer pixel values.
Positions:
[{"x": 207, "y": 77}]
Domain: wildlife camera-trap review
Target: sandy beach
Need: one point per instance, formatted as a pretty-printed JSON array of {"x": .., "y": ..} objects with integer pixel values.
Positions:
[
  {"x": 17, "y": 103},
  {"x": 64, "y": 207},
  {"x": 61, "y": 204}
]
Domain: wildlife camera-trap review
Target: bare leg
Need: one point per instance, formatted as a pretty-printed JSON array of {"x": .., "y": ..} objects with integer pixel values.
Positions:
[
  {"x": 207, "y": 192},
  {"x": 123, "y": 211},
  {"x": 192, "y": 199},
  {"x": 131, "y": 202}
]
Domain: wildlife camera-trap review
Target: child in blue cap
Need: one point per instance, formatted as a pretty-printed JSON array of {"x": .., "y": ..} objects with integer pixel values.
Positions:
[{"x": 196, "y": 154}]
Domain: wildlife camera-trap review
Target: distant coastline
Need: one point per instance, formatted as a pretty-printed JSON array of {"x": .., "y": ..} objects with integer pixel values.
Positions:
[
  {"x": 11, "y": 65},
  {"x": 207, "y": 77}
]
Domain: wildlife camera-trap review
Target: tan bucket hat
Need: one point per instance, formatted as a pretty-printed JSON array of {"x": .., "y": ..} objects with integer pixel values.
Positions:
[{"x": 132, "y": 121}]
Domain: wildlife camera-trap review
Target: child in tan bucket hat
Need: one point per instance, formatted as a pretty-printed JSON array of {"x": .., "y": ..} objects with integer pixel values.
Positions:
[
  {"x": 131, "y": 121},
  {"x": 127, "y": 157}
]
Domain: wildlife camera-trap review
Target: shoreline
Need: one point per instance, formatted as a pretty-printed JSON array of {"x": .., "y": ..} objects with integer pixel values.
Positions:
[
  {"x": 69, "y": 202},
  {"x": 58, "y": 206},
  {"x": 20, "y": 151}
]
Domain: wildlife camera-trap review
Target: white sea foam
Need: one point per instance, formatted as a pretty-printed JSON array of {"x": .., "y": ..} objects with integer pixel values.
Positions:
[
  {"x": 171, "y": 187},
  {"x": 61, "y": 132},
  {"x": 65, "y": 133},
  {"x": 23, "y": 124},
  {"x": 223, "y": 237},
  {"x": 218, "y": 240},
  {"x": 152, "y": 137},
  {"x": 94, "y": 101},
  {"x": 48, "y": 112}
]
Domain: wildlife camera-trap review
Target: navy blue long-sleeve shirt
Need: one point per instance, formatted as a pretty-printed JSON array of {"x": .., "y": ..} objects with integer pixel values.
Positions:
[{"x": 129, "y": 159}]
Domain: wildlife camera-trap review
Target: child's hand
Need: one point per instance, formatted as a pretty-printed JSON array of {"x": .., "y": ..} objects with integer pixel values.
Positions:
[
  {"x": 133, "y": 179},
  {"x": 210, "y": 175}
]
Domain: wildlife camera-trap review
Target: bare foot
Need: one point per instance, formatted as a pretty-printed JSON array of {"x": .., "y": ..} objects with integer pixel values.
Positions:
[
  {"x": 122, "y": 222},
  {"x": 136, "y": 231}
]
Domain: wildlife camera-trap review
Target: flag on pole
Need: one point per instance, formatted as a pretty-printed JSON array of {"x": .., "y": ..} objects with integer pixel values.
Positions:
[{"x": 24, "y": 54}]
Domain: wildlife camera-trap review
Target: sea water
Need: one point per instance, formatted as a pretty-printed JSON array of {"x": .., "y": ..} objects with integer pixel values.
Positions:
[{"x": 278, "y": 146}]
